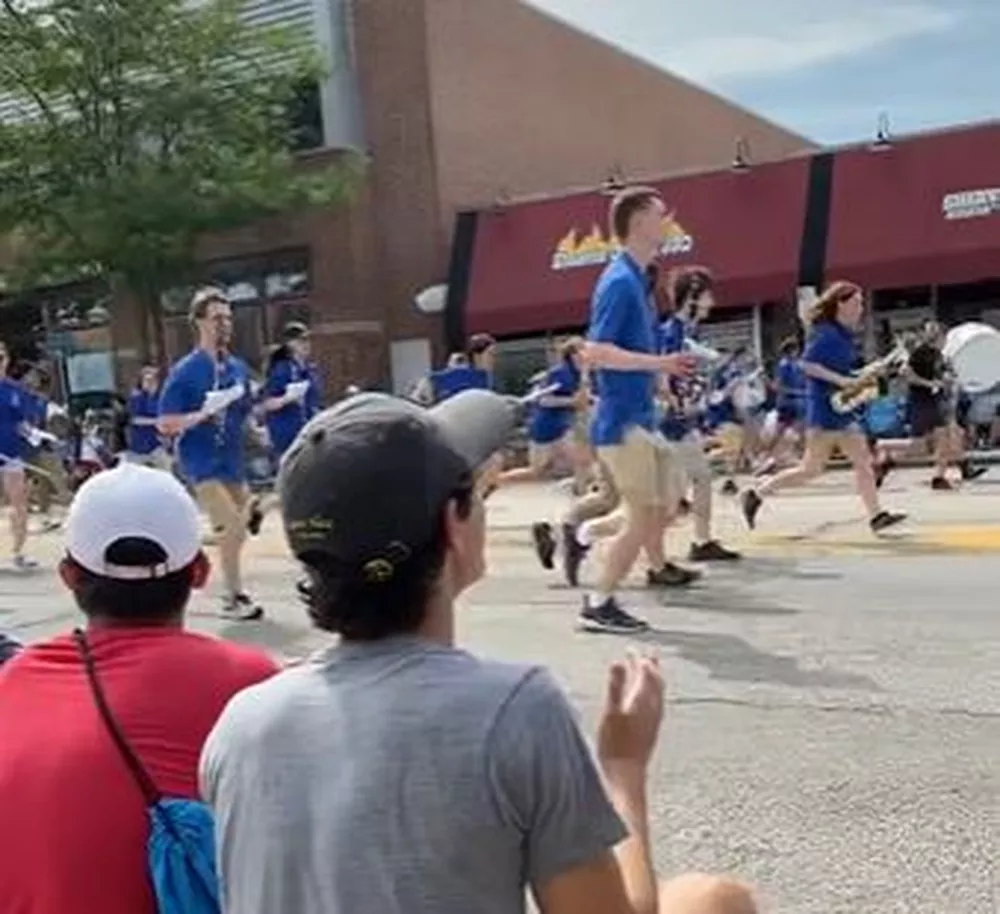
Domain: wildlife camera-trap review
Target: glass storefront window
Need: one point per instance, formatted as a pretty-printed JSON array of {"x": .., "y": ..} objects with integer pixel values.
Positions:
[{"x": 517, "y": 361}]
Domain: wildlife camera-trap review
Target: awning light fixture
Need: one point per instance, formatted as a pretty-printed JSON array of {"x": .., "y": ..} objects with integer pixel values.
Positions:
[
  {"x": 741, "y": 160},
  {"x": 883, "y": 135}
]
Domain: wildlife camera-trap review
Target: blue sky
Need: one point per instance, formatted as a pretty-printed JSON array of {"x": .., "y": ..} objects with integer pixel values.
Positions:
[{"x": 826, "y": 69}]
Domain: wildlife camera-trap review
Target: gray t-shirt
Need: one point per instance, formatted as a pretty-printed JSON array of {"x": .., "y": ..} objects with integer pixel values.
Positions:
[{"x": 401, "y": 778}]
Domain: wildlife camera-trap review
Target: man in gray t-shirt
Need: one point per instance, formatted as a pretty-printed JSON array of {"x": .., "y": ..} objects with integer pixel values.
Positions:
[{"x": 394, "y": 773}]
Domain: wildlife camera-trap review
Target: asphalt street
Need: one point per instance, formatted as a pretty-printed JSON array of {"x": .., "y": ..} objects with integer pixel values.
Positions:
[{"x": 833, "y": 727}]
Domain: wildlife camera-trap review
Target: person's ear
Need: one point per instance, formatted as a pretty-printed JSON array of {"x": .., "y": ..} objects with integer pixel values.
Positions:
[
  {"x": 69, "y": 574},
  {"x": 200, "y": 570}
]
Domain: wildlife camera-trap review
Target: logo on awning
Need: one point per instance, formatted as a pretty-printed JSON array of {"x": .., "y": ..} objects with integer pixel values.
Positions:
[
  {"x": 970, "y": 204},
  {"x": 595, "y": 248}
]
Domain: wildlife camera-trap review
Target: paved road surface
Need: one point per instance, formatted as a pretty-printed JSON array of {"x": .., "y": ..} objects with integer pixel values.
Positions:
[{"x": 834, "y": 726}]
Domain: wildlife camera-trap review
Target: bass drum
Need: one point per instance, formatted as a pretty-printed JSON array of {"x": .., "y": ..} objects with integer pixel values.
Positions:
[{"x": 973, "y": 351}]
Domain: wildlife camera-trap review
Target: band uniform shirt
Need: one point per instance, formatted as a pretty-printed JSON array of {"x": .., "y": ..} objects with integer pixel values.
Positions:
[
  {"x": 213, "y": 449},
  {"x": 791, "y": 380},
  {"x": 401, "y": 777},
  {"x": 15, "y": 410},
  {"x": 927, "y": 363},
  {"x": 446, "y": 382},
  {"x": 551, "y": 423},
  {"x": 620, "y": 314},
  {"x": 680, "y": 421},
  {"x": 142, "y": 439},
  {"x": 285, "y": 423},
  {"x": 830, "y": 345}
]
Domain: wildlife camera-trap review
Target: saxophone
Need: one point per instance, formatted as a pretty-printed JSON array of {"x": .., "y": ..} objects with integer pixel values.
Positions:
[{"x": 864, "y": 388}]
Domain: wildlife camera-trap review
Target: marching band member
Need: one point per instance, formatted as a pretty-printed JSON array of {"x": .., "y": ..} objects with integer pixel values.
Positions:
[
  {"x": 205, "y": 403},
  {"x": 15, "y": 411},
  {"x": 472, "y": 369},
  {"x": 690, "y": 300},
  {"x": 790, "y": 404},
  {"x": 827, "y": 363},
  {"x": 721, "y": 422},
  {"x": 291, "y": 391},
  {"x": 931, "y": 414},
  {"x": 143, "y": 441}
]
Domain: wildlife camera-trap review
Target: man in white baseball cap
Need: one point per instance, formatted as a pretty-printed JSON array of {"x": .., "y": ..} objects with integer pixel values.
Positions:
[{"x": 133, "y": 558}]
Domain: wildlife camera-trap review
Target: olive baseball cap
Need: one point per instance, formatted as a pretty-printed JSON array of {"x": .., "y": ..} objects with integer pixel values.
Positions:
[{"x": 364, "y": 483}]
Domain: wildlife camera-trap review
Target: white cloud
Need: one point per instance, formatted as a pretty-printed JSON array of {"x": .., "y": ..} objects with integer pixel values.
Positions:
[{"x": 719, "y": 41}]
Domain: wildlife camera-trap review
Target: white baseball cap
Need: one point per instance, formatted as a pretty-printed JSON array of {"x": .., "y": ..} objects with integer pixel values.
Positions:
[{"x": 132, "y": 502}]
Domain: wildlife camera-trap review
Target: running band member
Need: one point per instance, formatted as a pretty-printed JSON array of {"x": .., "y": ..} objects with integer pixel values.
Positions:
[
  {"x": 623, "y": 353},
  {"x": 15, "y": 411},
  {"x": 210, "y": 446},
  {"x": 144, "y": 445},
  {"x": 692, "y": 298},
  {"x": 932, "y": 415},
  {"x": 790, "y": 406},
  {"x": 292, "y": 390},
  {"x": 469, "y": 370},
  {"x": 829, "y": 358}
]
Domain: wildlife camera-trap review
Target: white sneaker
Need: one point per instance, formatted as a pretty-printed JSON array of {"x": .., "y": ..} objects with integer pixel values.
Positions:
[
  {"x": 242, "y": 608},
  {"x": 23, "y": 563}
]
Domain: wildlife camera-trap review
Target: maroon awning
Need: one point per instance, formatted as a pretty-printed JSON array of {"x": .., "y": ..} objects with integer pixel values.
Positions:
[
  {"x": 534, "y": 264},
  {"x": 926, "y": 211}
]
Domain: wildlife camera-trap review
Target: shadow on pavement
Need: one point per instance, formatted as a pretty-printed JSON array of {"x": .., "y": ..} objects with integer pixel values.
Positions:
[{"x": 732, "y": 659}]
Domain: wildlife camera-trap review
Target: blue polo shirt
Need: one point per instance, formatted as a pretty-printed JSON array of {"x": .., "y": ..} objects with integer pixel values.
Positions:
[
  {"x": 142, "y": 439},
  {"x": 551, "y": 423},
  {"x": 674, "y": 426},
  {"x": 211, "y": 450},
  {"x": 16, "y": 408},
  {"x": 620, "y": 313},
  {"x": 449, "y": 381},
  {"x": 284, "y": 424},
  {"x": 791, "y": 387},
  {"x": 831, "y": 345}
]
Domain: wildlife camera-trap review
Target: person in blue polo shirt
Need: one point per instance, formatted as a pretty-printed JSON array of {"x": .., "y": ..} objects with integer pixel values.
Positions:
[
  {"x": 690, "y": 300},
  {"x": 292, "y": 391},
  {"x": 145, "y": 446},
  {"x": 16, "y": 411},
  {"x": 828, "y": 364},
  {"x": 469, "y": 370},
  {"x": 205, "y": 404},
  {"x": 623, "y": 352}
]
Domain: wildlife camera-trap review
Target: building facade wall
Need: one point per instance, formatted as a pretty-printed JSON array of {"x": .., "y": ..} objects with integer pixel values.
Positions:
[{"x": 525, "y": 104}]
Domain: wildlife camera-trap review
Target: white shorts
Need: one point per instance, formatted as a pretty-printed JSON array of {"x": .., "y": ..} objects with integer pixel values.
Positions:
[{"x": 691, "y": 453}]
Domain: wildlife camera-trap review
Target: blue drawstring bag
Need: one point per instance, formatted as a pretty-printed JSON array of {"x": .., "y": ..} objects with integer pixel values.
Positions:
[{"x": 180, "y": 849}]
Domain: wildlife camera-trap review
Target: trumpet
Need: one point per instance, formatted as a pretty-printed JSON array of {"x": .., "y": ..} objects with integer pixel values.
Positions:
[{"x": 864, "y": 388}]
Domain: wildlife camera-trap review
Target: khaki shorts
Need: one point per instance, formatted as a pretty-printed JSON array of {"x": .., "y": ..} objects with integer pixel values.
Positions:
[
  {"x": 691, "y": 454},
  {"x": 645, "y": 468},
  {"x": 225, "y": 504}
]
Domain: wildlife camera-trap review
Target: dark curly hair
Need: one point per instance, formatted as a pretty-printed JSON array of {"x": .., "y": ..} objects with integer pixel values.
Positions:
[{"x": 340, "y": 600}]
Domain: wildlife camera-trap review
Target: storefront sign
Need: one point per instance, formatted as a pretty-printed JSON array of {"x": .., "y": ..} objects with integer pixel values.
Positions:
[
  {"x": 595, "y": 248},
  {"x": 970, "y": 204}
]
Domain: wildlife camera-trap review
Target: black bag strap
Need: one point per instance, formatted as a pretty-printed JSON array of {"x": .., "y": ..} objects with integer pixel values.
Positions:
[{"x": 145, "y": 783}]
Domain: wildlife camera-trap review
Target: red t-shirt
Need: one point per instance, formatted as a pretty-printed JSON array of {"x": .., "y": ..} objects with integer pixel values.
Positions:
[{"x": 73, "y": 824}]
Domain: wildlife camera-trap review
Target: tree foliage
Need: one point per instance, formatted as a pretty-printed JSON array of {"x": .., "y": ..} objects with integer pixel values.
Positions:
[{"x": 142, "y": 124}]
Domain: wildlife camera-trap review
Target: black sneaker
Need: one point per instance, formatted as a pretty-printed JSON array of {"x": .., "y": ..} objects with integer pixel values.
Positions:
[
  {"x": 970, "y": 472},
  {"x": 671, "y": 575},
  {"x": 242, "y": 608},
  {"x": 683, "y": 507},
  {"x": 886, "y": 519},
  {"x": 573, "y": 555},
  {"x": 712, "y": 551},
  {"x": 882, "y": 471},
  {"x": 255, "y": 519},
  {"x": 751, "y": 503},
  {"x": 940, "y": 484},
  {"x": 609, "y": 617},
  {"x": 729, "y": 487},
  {"x": 545, "y": 544}
]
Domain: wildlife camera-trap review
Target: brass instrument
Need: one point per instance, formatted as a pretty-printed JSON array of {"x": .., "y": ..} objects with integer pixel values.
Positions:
[{"x": 864, "y": 388}]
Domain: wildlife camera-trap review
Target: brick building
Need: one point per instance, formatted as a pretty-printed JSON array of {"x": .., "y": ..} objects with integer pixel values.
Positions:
[{"x": 459, "y": 105}]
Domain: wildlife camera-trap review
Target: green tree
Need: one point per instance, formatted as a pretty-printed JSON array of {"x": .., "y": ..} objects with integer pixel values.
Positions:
[{"x": 139, "y": 126}]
